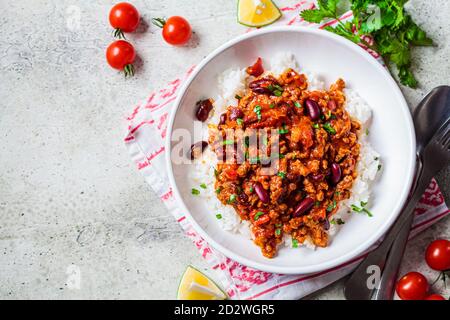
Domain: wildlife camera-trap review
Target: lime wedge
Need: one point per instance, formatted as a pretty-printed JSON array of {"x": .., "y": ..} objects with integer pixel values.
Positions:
[
  {"x": 194, "y": 285},
  {"x": 257, "y": 13}
]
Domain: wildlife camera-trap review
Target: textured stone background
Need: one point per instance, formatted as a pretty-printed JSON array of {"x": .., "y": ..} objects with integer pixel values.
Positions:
[{"x": 69, "y": 194}]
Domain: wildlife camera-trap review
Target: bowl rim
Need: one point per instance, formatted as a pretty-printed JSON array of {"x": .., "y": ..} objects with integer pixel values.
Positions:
[{"x": 348, "y": 256}]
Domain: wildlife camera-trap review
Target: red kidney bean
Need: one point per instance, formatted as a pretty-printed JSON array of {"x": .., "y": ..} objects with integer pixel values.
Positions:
[
  {"x": 203, "y": 109},
  {"x": 317, "y": 177},
  {"x": 261, "y": 86},
  {"x": 336, "y": 173},
  {"x": 197, "y": 149},
  {"x": 304, "y": 206},
  {"x": 223, "y": 118},
  {"x": 236, "y": 113},
  {"x": 313, "y": 109},
  {"x": 243, "y": 198},
  {"x": 326, "y": 224},
  {"x": 261, "y": 192}
]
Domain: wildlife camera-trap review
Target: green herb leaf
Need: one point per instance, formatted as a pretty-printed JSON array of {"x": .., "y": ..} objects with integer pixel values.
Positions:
[
  {"x": 277, "y": 232},
  {"x": 219, "y": 216},
  {"x": 283, "y": 130},
  {"x": 272, "y": 105},
  {"x": 294, "y": 243},
  {"x": 232, "y": 199},
  {"x": 257, "y": 215},
  {"x": 257, "y": 110},
  {"x": 328, "y": 128},
  {"x": 203, "y": 186},
  {"x": 338, "y": 221},
  {"x": 297, "y": 104},
  {"x": 316, "y": 126},
  {"x": 218, "y": 190},
  {"x": 227, "y": 142},
  {"x": 238, "y": 97},
  {"x": 239, "y": 121},
  {"x": 282, "y": 174},
  {"x": 331, "y": 206},
  {"x": 195, "y": 192}
]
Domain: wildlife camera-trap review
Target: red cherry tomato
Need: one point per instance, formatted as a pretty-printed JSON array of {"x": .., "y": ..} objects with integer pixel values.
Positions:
[
  {"x": 412, "y": 286},
  {"x": 176, "y": 30},
  {"x": 123, "y": 17},
  {"x": 120, "y": 55},
  {"x": 256, "y": 69},
  {"x": 438, "y": 255},
  {"x": 435, "y": 297}
]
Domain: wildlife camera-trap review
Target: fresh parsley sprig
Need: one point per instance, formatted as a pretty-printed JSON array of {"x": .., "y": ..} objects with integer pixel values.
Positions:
[{"x": 385, "y": 21}]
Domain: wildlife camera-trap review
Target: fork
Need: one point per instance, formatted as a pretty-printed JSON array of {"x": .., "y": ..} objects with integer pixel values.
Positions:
[{"x": 432, "y": 159}]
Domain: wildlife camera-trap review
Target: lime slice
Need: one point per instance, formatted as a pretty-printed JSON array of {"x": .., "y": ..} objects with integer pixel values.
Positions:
[
  {"x": 194, "y": 285},
  {"x": 257, "y": 13}
]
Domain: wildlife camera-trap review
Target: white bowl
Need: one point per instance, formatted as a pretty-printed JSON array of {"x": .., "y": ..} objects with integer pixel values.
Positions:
[{"x": 392, "y": 135}]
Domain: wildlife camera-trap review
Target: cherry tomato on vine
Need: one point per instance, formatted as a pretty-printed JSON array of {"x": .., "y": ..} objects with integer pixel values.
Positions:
[
  {"x": 438, "y": 255},
  {"x": 120, "y": 55},
  {"x": 412, "y": 286},
  {"x": 435, "y": 297},
  {"x": 176, "y": 30},
  {"x": 123, "y": 17}
]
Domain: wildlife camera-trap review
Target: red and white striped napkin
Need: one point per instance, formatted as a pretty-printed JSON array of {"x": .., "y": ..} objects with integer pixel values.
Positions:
[{"x": 146, "y": 133}]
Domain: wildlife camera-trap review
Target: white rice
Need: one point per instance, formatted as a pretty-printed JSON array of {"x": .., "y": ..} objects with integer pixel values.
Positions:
[{"x": 234, "y": 81}]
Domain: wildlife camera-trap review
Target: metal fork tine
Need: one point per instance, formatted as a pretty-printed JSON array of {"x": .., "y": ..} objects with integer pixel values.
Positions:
[
  {"x": 446, "y": 137},
  {"x": 443, "y": 133}
]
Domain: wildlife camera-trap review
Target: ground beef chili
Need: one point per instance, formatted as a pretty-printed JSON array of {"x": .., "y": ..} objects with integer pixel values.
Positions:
[{"x": 316, "y": 164}]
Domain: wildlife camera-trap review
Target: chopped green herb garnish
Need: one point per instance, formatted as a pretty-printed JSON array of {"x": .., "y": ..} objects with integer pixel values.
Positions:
[
  {"x": 238, "y": 97},
  {"x": 257, "y": 215},
  {"x": 360, "y": 210},
  {"x": 329, "y": 114},
  {"x": 257, "y": 110},
  {"x": 282, "y": 174},
  {"x": 216, "y": 173},
  {"x": 218, "y": 216},
  {"x": 294, "y": 243},
  {"x": 376, "y": 158},
  {"x": 218, "y": 190},
  {"x": 331, "y": 206},
  {"x": 367, "y": 131},
  {"x": 278, "y": 93},
  {"x": 379, "y": 167},
  {"x": 227, "y": 142},
  {"x": 195, "y": 191},
  {"x": 239, "y": 121},
  {"x": 316, "y": 126},
  {"x": 203, "y": 186},
  {"x": 272, "y": 105},
  {"x": 278, "y": 225},
  {"x": 277, "y": 232},
  {"x": 247, "y": 141},
  {"x": 317, "y": 203},
  {"x": 297, "y": 104},
  {"x": 251, "y": 189},
  {"x": 232, "y": 199},
  {"x": 338, "y": 221},
  {"x": 328, "y": 128},
  {"x": 283, "y": 130},
  {"x": 363, "y": 204}
]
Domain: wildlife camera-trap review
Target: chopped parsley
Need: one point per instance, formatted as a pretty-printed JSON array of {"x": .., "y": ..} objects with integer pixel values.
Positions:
[
  {"x": 238, "y": 97},
  {"x": 257, "y": 110},
  {"x": 338, "y": 221},
  {"x": 257, "y": 215},
  {"x": 277, "y": 232},
  {"x": 361, "y": 209},
  {"x": 297, "y": 104},
  {"x": 251, "y": 189},
  {"x": 203, "y": 186},
  {"x": 283, "y": 130},
  {"x": 379, "y": 167},
  {"x": 294, "y": 243},
  {"x": 331, "y": 206},
  {"x": 239, "y": 121},
  {"x": 282, "y": 174},
  {"x": 227, "y": 142},
  {"x": 316, "y": 126},
  {"x": 272, "y": 105},
  {"x": 219, "y": 216},
  {"x": 218, "y": 190},
  {"x": 195, "y": 192},
  {"x": 232, "y": 199},
  {"x": 276, "y": 90},
  {"x": 328, "y": 128},
  {"x": 367, "y": 131}
]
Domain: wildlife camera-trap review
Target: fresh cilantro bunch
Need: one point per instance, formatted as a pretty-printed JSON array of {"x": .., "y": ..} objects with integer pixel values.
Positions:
[{"x": 385, "y": 21}]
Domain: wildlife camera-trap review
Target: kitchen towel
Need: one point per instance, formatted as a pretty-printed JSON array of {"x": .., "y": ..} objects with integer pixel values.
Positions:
[{"x": 145, "y": 140}]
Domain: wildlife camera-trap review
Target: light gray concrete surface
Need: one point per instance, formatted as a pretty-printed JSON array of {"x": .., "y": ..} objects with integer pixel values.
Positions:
[{"x": 69, "y": 195}]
